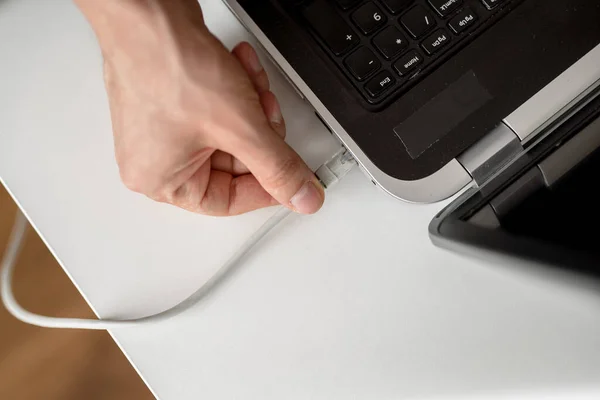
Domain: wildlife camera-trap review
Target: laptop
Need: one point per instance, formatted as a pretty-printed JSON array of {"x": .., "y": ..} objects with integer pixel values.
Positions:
[{"x": 497, "y": 98}]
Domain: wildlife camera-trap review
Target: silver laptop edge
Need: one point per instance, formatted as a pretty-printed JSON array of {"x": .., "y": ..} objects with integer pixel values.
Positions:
[
  {"x": 524, "y": 123},
  {"x": 557, "y": 98}
]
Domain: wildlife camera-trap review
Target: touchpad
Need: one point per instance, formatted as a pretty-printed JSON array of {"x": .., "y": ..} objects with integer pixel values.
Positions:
[{"x": 441, "y": 114}]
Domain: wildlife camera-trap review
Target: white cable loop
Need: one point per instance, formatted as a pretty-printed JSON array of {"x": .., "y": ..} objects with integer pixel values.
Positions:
[{"x": 329, "y": 174}]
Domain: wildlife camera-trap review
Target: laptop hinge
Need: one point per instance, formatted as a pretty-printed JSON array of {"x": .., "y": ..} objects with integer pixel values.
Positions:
[
  {"x": 491, "y": 153},
  {"x": 546, "y": 173}
]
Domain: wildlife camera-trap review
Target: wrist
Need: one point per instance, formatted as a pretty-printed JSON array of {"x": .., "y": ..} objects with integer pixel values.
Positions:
[{"x": 123, "y": 24}]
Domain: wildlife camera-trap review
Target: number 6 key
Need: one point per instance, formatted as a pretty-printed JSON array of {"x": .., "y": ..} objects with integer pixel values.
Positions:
[{"x": 368, "y": 18}]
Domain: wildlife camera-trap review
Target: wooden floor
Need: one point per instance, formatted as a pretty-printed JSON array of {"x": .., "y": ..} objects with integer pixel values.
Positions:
[{"x": 50, "y": 364}]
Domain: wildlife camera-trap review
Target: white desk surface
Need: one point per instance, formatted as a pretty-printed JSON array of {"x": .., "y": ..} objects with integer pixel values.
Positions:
[{"x": 352, "y": 303}]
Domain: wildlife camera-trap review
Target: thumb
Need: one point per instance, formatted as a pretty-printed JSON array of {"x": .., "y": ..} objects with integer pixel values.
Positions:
[{"x": 281, "y": 171}]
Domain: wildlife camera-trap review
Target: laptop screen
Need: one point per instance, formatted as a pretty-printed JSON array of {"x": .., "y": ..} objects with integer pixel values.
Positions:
[
  {"x": 565, "y": 215},
  {"x": 544, "y": 207}
]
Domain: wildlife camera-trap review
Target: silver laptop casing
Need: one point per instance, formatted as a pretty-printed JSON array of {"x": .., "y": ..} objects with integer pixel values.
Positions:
[{"x": 556, "y": 101}]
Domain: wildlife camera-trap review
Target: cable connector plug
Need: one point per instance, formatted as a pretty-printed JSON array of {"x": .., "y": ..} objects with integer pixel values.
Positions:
[{"x": 336, "y": 168}]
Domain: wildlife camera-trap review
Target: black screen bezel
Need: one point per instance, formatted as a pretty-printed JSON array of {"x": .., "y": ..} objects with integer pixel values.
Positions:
[{"x": 451, "y": 229}]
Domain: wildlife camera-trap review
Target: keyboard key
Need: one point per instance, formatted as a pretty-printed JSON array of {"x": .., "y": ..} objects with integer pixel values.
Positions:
[
  {"x": 380, "y": 83},
  {"x": 330, "y": 26},
  {"x": 362, "y": 63},
  {"x": 463, "y": 20},
  {"x": 346, "y": 4},
  {"x": 492, "y": 3},
  {"x": 418, "y": 21},
  {"x": 368, "y": 18},
  {"x": 445, "y": 7},
  {"x": 385, "y": 45},
  {"x": 437, "y": 41},
  {"x": 390, "y": 42},
  {"x": 408, "y": 63},
  {"x": 395, "y": 6}
]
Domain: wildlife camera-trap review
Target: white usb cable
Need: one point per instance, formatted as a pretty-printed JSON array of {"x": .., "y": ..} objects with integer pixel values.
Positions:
[{"x": 329, "y": 174}]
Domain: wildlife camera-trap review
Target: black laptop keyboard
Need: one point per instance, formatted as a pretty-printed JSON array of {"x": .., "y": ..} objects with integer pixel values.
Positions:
[{"x": 383, "y": 46}]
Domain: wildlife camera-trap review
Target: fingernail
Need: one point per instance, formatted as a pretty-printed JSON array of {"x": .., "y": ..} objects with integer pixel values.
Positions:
[
  {"x": 254, "y": 62},
  {"x": 308, "y": 200},
  {"x": 276, "y": 115}
]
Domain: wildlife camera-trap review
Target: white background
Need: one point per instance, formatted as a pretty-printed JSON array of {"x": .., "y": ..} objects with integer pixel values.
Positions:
[{"x": 353, "y": 303}]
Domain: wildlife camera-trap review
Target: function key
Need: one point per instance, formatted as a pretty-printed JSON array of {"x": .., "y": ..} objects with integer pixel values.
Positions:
[
  {"x": 492, "y": 3},
  {"x": 445, "y": 7},
  {"x": 346, "y": 4},
  {"x": 418, "y": 21},
  {"x": 408, "y": 63},
  {"x": 396, "y": 6},
  {"x": 437, "y": 41},
  {"x": 390, "y": 42},
  {"x": 330, "y": 26},
  {"x": 380, "y": 83},
  {"x": 368, "y": 18},
  {"x": 362, "y": 63},
  {"x": 463, "y": 20}
]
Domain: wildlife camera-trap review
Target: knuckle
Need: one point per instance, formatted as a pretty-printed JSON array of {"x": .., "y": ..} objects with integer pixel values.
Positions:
[
  {"x": 131, "y": 178},
  {"x": 280, "y": 128},
  {"x": 283, "y": 172},
  {"x": 241, "y": 46}
]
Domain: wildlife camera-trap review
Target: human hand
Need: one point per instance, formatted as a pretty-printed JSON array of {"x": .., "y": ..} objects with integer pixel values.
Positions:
[{"x": 194, "y": 125}]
